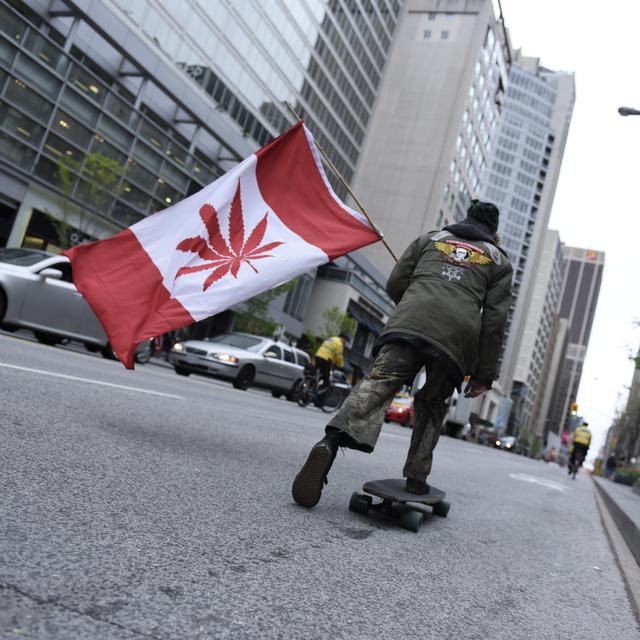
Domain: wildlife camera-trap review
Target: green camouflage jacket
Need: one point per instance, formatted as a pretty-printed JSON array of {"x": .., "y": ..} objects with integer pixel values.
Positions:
[{"x": 454, "y": 291}]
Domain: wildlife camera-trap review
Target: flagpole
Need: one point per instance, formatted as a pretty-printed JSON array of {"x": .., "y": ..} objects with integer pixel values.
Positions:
[{"x": 347, "y": 187}]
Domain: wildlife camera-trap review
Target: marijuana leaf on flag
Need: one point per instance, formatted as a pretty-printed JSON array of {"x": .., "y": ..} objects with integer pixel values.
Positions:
[{"x": 214, "y": 248}]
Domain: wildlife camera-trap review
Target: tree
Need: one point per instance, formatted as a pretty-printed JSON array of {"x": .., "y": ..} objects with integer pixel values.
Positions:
[
  {"x": 336, "y": 322},
  {"x": 254, "y": 316},
  {"x": 100, "y": 176}
]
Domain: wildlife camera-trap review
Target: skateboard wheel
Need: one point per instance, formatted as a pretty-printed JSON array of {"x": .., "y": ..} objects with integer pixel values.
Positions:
[
  {"x": 441, "y": 509},
  {"x": 360, "y": 503},
  {"x": 411, "y": 520}
]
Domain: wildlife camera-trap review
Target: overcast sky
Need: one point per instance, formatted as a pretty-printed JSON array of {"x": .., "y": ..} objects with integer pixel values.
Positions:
[{"x": 598, "y": 195}]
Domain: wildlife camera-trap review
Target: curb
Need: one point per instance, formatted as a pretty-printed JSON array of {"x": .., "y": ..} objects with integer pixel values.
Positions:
[{"x": 629, "y": 529}]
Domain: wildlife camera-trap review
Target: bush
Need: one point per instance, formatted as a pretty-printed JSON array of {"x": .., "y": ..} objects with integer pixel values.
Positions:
[
  {"x": 626, "y": 476},
  {"x": 630, "y": 473}
]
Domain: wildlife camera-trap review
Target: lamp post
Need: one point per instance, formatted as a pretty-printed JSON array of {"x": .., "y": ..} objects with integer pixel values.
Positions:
[{"x": 628, "y": 111}]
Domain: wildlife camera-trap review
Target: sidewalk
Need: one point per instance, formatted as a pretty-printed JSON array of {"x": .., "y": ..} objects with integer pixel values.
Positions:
[{"x": 624, "y": 506}]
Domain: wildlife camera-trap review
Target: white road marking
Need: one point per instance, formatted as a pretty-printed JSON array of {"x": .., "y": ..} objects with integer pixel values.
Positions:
[
  {"x": 550, "y": 484},
  {"x": 102, "y": 384},
  {"x": 394, "y": 435}
]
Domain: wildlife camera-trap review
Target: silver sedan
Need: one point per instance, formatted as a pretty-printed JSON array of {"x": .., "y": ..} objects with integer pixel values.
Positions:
[
  {"x": 37, "y": 293},
  {"x": 244, "y": 359}
]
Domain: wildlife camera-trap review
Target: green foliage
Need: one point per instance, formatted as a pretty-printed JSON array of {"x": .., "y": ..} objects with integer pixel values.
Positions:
[
  {"x": 536, "y": 446},
  {"x": 309, "y": 343},
  {"x": 254, "y": 316},
  {"x": 101, "y": 175},
  {"x": 335, "y": 321},
  {"x": 628, "y": 473}
]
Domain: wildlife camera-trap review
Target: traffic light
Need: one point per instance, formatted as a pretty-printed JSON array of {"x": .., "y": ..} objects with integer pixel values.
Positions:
[{"x": 574, "y": 409}]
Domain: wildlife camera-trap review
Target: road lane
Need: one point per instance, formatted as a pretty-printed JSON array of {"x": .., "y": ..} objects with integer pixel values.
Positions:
[{"x": 127, "y": 515}]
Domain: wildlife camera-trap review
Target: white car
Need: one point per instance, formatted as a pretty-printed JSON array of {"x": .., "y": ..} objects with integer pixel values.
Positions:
[
  {"x": 244, "y": 359},
  {"x": 37, "y": 293}
]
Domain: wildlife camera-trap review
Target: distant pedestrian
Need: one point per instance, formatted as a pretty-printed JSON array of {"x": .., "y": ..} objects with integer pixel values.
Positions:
[{"x": 611, "y": 466}]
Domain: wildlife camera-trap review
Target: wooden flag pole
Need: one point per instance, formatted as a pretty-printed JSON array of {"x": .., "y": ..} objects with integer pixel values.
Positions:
[{"x": 348, "y": 188}]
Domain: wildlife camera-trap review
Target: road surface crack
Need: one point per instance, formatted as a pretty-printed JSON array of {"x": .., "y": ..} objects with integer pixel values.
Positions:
[{"x": 90, "y": 613}]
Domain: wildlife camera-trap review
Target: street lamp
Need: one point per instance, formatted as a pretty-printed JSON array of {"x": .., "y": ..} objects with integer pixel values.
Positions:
[{"x": 628, "y": 111}]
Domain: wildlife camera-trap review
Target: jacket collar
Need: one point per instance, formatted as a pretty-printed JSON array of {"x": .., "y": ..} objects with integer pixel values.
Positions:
[{"x": 473, "y": 230}]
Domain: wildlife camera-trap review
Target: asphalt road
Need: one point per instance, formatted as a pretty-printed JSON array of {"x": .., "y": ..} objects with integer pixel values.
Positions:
[{"x": 147, "y": 505}]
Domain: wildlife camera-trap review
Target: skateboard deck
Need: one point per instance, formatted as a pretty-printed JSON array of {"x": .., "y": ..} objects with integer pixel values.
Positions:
[{"x": 394, "y": 502}]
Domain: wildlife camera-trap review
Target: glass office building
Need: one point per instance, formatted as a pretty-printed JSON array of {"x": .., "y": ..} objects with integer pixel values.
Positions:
[
  {"x": 324, "y": 57},
  {"x": 112, "y": 110}
]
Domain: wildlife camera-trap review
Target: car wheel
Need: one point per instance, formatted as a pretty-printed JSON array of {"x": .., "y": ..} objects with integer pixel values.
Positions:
[
  {"x": 181, "y": 371},
  {"x": 46, "y": 338},
  {"x": 244, "y": 378},
  {"x": 292, "y": 394},
  {"x": 3, "y": 305},
  {"x": 276, "y": 394},
  {"x": 386, "y": 420},
  {"x": 108, "y": 352},
  {"x": 142, "y": 357}
]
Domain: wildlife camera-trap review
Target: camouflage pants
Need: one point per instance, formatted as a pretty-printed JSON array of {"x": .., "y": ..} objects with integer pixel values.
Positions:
[{"x": 363, "y": 412}]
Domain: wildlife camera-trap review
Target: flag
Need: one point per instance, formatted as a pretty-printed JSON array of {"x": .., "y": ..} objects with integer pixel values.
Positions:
[{"x": 269, "y": 219}]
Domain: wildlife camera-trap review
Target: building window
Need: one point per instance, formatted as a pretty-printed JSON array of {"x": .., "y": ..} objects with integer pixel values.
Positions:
[
  {"x": 297, "y": 297},
  {"x": 432, "y": 16},
  {"x": 444, "y": 35},
  {"x": 427, "y": 34}
]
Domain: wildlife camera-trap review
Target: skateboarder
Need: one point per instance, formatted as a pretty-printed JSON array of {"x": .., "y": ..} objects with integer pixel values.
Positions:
[{"x": 452, "y": 289}]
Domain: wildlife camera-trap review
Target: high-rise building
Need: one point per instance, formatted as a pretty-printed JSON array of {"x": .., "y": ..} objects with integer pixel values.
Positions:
[
  {"x": 432, "y": 126},
  {"x": 534, "y": 355},
  {"x": 429, "y": 140},
  {"x": 580, "y": 288},
  {"x": 521, "y": 179},
  {"x": 162, "y": 97},
  {"x": 325, "y": 58}
]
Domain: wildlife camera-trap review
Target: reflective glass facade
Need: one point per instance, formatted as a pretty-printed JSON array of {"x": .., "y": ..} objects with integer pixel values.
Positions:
[
  {"x": 324, "y": 57},
  {"x": 518, "y": 170},
  {"x": 57, "y": 102}
]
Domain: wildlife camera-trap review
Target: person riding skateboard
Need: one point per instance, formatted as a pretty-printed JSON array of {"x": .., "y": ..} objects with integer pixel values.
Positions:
[{"x": 452, "y": 289}]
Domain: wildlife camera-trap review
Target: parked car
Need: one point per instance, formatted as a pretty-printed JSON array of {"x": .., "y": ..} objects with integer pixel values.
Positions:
[
  {"x": 37, "y": 293},
  {"x": 401, "y": 410},
  {"x": 244, "y": 359}
]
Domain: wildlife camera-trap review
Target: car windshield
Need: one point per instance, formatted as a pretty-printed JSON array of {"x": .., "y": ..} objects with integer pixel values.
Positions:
[
  {"x": 239, "y": 341},
  {"x": 401, "y": 401},
  {"x": 22, "y": 257}
]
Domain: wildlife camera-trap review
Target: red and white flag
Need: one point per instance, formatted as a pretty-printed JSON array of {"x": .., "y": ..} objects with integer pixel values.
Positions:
[{"x": 269, "y": 219}]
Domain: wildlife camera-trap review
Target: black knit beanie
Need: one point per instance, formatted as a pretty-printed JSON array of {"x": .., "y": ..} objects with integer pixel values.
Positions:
[{"x": 485, "y": 212}]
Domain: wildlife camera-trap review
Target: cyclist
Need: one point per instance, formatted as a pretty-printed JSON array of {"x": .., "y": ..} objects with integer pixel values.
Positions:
[
  {"x": 329, "y": 355},
  {"x": 580, "y": 442}
]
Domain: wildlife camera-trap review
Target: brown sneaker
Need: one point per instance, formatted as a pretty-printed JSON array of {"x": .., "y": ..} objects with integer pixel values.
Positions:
[{"x": 311, "y": 479}]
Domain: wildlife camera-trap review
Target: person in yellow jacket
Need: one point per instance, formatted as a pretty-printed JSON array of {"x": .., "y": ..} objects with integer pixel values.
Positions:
[
  {"x": 580, "y": 442},
  {"x": 330, "y": 354}
]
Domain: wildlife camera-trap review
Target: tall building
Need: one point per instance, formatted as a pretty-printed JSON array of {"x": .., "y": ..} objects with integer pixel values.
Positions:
[
  {"x": 163, "y": 96},
  {"x": 580, "y": 288},
  {"x": 521, "y": 179},
  {"x": 325, "y": 58},
  {"x": 432, "y": 126},
  {"x": 535, "y": 353}
]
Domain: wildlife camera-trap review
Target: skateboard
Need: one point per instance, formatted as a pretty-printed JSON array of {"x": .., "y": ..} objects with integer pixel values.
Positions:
[{"x": 392, "y": 492}]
